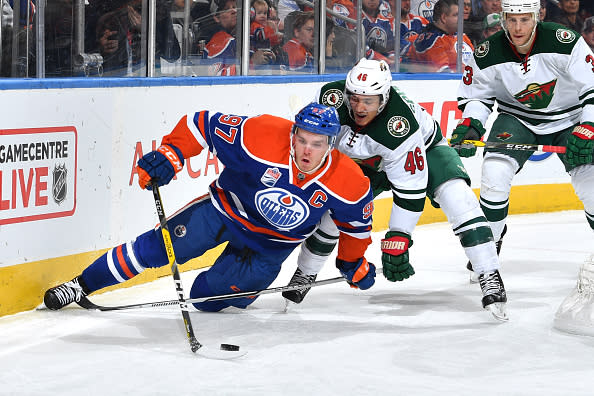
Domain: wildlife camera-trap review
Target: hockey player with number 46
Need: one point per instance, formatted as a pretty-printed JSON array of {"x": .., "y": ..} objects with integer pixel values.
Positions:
[
  {"x": 401, "y": 148},
  {"x": 541, "y": 76},
  {"x": 279, "y": 179}
]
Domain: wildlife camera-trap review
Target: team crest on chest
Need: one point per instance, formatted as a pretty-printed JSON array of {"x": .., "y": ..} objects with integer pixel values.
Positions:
[
  {"x": 280, "y": 208},
  {"x": 537, "y": 96},
  {"x": 482, "y": 50},
  {"x": 565, "y": 36},
  {"x": 270, "y": 177},
  {"x": 398, "y": 126},
  {"x": 333, "y": 97}
]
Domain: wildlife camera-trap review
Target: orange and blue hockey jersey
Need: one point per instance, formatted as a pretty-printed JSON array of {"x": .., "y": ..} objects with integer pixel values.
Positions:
[
  {"x": 437, "y": 51},
  {"x": 262, "y": 196}
]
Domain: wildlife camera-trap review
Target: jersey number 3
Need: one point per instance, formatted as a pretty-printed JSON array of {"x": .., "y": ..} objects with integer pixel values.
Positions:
[{"x": 414, "y": 161}]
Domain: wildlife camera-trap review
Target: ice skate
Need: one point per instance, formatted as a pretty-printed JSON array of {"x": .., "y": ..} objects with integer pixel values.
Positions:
[
  {"x": 494, "y": 296},
  {"x": 296, "y": 296},
  {"x": 474, "y": 278},
  {"x": 64, "y": 294}
]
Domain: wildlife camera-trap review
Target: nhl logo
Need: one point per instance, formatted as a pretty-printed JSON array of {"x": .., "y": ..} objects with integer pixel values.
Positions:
[
  {"x": 565, "y": 36},
  {"x": 180, "y": 231},
  {"x": 333, "y": 97},
  {"x": 59, "y": 183},
  {"x": 398, "y": 126}
]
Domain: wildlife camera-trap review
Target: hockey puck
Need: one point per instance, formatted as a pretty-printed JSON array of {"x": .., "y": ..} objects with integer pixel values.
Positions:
[{"x": 229, "y": 347}]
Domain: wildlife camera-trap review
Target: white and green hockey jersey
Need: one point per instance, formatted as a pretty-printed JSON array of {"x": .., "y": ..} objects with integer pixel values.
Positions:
[
  {"x": 391, "y": 150},
  {"x": 550, "y": 89}
]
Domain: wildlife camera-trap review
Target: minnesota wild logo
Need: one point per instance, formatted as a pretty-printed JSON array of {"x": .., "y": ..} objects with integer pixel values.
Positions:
[
  {"x": 332, "y": 97},
  {"x": 565, "y": 36},
  {"x": 398, "y": 126},
  {"x": 482, "y": 50},
  {"x": 504, "y": 136},
  {"x": 537, "y": 96},
  {"x": 372, "y": 162}
]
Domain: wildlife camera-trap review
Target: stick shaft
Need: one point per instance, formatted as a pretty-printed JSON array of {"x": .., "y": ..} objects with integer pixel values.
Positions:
[
  {"x": 518, "y": 146},
  {"x": 194, "y": 344}
]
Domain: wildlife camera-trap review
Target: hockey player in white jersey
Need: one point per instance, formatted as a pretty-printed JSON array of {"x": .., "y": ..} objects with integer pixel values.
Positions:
[
  {"x": 541, "y": 76},
  {"x": 401, "y": 148}
]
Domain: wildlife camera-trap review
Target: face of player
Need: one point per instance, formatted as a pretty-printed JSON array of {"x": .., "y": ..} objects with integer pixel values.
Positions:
[
  {"x": 450, "y": 20},
  {"x": 310, "y": 149},
  {"x": 305, "y": 35},
  {"x": 519, "y": 27},
  {"x": 365, "y": 108},
  {"x": 491, "y": 6},
  {"x": 261, "y": 14}
]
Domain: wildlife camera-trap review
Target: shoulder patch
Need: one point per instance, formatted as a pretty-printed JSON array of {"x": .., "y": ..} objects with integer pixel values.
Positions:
[
  {"x": 482, "y": 50},
  {"x": 565, "y": 36},
  {"x": 333, "y": 97},
  {"x": 398, "y": 126}
]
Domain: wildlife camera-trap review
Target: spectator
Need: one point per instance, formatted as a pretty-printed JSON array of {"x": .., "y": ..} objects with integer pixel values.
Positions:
[
  {"x": 262, "y": 33},
  {"x": 491, "y": 25},
  {"x": 221, "y": 50},
  {"x": 542, "y": 13},
  {"x": 345, "y": 8},
  {"x": 435, "y": 48},
  {"x": 472, "y": 27},
  {"x": 588, "y": 32},
  {"x": 410, "y": 23},
  {"x": 569, "y": 15},
  {"x": 298, "y": 50},
  {"x": 487, "y": 7},
  {"x": 379, "y": 32},
  {"x": 119, "y": 37}
]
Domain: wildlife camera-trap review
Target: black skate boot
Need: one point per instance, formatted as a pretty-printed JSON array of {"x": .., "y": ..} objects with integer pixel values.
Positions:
[
  {"x": 473, "y": 276},
  {"x": 64, "y": 294},
  {"x": 494, "y": 296},
  {"x": 299, "y": 278}
]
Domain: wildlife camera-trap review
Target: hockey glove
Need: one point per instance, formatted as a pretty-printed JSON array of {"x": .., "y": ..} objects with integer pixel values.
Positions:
[
  {"x": 580, "y": 145},
  {"x": 159, "y": 165},
  {"x": 359, "y": 274},
  {"x": 467, "y": 129},
  {"x": 395, "y": 256}
]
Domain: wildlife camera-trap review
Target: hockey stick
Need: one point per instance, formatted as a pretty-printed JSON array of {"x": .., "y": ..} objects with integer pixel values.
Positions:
[
  {"x": 517, "y": 146},
  {"x": 86, "y": 303},
  {"x": 231, "y": 351}
]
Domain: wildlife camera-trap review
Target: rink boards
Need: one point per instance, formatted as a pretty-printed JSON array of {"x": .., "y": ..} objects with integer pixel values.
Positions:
[{"x": 68, "y": 188}]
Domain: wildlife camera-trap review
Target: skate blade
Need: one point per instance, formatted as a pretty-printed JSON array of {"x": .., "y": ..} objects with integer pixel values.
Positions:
[
  {"x": 498, "y": 311},
  {"x": 219, "y": 354}
]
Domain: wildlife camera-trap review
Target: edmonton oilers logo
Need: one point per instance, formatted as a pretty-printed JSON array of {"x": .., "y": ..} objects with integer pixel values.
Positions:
[{"x": 281, "y": 209}]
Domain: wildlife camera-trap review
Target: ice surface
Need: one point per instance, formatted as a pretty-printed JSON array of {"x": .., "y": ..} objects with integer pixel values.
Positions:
[{"x": 427, "y": 335}]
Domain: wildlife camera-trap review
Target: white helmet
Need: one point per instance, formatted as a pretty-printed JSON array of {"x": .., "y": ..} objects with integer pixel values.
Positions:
[
  {"x": 370, "y": 77},
  {"x": 520, "y": 7}
]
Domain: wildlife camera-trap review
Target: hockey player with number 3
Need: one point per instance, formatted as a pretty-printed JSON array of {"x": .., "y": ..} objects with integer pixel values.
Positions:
[
  {"x": 541, "y": 76},
  {"x": 401, "y": 148},
  {"x": 279, "y": 179}
]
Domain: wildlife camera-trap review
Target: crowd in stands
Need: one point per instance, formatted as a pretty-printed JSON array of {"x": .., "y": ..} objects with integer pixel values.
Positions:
[{"x": 282, "y": 34}]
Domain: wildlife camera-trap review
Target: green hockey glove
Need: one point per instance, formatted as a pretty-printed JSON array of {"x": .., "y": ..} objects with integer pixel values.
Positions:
[
  {"x": 396, "y": 266},
  {"x": 580, "y": 145},
  {"x": 467, "y": 129}
]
